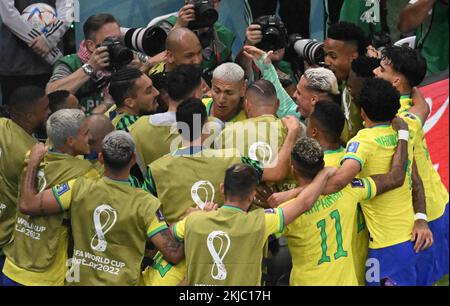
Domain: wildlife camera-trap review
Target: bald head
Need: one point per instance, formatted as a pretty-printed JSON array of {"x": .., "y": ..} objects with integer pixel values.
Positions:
[
  {"x": 183, "y": 48},
  {"x": 99, "y": 126}
]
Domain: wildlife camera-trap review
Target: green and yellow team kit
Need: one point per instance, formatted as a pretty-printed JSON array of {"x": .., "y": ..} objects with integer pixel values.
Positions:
[
  {"x": 38, "y": 254},
  {"x": 15, "y": 142}
]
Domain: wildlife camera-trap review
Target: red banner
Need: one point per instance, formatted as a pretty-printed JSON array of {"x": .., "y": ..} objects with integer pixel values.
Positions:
[{"x": 437, "y": 128}]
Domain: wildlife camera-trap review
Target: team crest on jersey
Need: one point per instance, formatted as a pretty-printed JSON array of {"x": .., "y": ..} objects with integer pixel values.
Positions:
[
  {"x": 356, "y": 183},
  {"x": 270, "y": 211},
  {"x": 62, "y": 189},
  {"x": 353, "y": 147},
  {"x": 159, "y": 215}
]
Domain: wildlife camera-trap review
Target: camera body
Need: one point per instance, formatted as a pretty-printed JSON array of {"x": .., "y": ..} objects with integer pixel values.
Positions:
[
  {"x": 274, "y": 33},
  {"x": 309, "y": 50},
  {"x": 119, "y": 55},
  {"x": 205, "y": 14}
]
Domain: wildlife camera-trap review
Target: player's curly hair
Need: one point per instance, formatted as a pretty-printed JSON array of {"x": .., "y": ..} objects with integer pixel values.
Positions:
[
  {"x": 307, "y": 157},
  {"x": 363, "y": 66},
  {"x": 408, "y": 62},
  {"x": 380, "y": 100},
  {"x": 349, "y": 32}
]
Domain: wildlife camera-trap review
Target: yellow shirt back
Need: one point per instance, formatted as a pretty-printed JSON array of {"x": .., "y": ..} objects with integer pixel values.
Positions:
[
  {"x": 320, "y": 240},
  {"x": 390, "y": 216}
]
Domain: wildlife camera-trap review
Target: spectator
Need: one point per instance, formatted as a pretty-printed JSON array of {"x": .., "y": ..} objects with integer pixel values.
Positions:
[
  {"x": 62, "y": 99},
  {"x": 430, "y": 20},
  {"x": 26, "y": 53}
]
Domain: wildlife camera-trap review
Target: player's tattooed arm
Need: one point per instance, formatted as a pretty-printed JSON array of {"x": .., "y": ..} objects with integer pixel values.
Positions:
[
  {"x": 172, "y": 250},
  {"x": 421, "y": 233},
  {"x": 30, "y": 201},
  {"x": 395, "y": 178}
]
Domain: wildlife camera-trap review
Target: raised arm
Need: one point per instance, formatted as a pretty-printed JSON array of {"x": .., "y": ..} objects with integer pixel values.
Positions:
[
  {"x": 412, "y": 15},
  {"x": 30, "y": 201},
  {"x": 282, "y": 165},
  {"x": 395, "y": 178},
  {"x": 287, "y": 106},
  {"x": 421, "y": 107},
  {"x": 306, "y": 199}
]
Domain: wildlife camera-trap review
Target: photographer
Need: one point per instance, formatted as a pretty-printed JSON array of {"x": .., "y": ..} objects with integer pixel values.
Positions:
[
  {"x": 430, "y": 20},
  {"x": 256, "y": 37},
  {"x": 83, "y": 74},
  {"x": 26, "y": 52},
  {"x": 217, "y": 40}
]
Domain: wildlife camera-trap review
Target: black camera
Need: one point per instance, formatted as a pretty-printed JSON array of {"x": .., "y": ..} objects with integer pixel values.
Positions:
[
  {"x": 150, "y": 41},
  {"x": 274, "y": 33},
  {"x": 205, "y": 14},
  {"x": 309, "y": 50},
  {"x": 119, "y": 55}
]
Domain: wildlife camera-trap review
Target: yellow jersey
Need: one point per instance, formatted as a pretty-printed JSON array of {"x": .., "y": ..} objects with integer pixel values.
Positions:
[
  {"x": 390, "y": 216},
  {"x": 360, "y": 241},
  {"x": 321, "y": 240},
  {"x": 435, "y": 192},
  {"x": 240, "y": 116}
]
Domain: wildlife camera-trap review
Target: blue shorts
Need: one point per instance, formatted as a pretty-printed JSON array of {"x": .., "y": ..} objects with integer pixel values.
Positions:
[
  {"x": 7, "y": 282},
  {"x": 397, "y": 265},
  {"x": 2, "y": 262},
  {"x": 432, "y": 264}
]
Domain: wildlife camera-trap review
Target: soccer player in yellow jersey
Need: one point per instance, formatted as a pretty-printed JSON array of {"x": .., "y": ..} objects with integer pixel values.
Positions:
[
  {"x": 112, "y": 255},
  {"x": 225, "y": 247},
  {"x": 134, "y": 96},
  {"x": 37, "y": 255},
  {"x": 183, "y": 82},
  {"x": 228, "y": 91},
  {"x": 406, "y": 68},
  {"x": 325, "y": 125},
  {"x": 29, "y": 111},
  {"x": 322, "y": 240},
  {"x": 390, "y": 217}
]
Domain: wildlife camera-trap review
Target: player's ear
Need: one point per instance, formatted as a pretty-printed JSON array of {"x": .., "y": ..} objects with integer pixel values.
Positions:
[
  {"x": 170, "y": 57},
  {"x": 222, "y": 188},
  {"x": 133, "y": 159},
  {"x": 101, "y": 159},
  {"x": 130, "y": 103}
]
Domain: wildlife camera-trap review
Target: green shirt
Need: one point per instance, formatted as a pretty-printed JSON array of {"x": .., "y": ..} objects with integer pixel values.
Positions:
[
  {"x": 365, "y": 14},
  {"x": 432, "y": 38}
]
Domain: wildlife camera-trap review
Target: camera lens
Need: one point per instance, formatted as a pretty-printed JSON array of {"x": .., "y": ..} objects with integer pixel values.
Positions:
[
  {"x": 310, "y": 50},
  {"x": 150, "y": 41}
]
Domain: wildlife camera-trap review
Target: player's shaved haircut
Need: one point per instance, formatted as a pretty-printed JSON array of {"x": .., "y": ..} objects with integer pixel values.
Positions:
[
  {"x": 178, "y": 35},
  {"x": 262, "y": 92},
  {"x": 99, "y": 126},
  {"x": 118, "y": 149}
]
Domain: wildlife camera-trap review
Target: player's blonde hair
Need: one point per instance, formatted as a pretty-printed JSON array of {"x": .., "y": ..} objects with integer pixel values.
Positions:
[
  {"x": 323, "y": 80},
  {"x": 229, "y": 72},
  {"x": 63, "y": 124}
]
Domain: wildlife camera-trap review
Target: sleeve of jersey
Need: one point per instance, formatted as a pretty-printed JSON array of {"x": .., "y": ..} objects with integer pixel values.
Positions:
[
  {"x": 157, "y": 225},
  {"x": 357, "y": 149},
  {"x": 274, "y": 221},
  {"x": 179, "y": 229},
  {"x": 365, "y": 187},
  {"x": 149, "y": 183},
  {"x": 255, "y": 164},
  {"x": 63, "y": 195}
]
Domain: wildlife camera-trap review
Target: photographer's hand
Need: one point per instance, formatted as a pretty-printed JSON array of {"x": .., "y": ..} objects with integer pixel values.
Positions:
[
  {"x": 253, "y": 35},
  {"x": 185, "y": 15},
  {"x": 40, "y": 46},
  {"x": 99, "y": 59}
]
